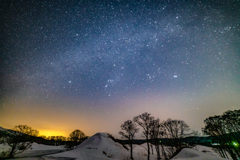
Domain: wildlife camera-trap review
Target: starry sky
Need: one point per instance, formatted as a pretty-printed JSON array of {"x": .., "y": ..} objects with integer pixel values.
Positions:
[{"x": 91, "y": 65}]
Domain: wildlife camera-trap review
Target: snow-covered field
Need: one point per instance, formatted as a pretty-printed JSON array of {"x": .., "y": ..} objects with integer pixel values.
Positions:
[
  {"x": 40, "y": 149},
  {"x": 35, "y": 150},
  {"x": 102, "y": 147}
]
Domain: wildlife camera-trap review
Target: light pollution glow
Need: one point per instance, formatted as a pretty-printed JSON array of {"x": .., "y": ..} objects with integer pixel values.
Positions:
[{"x": 62, "y": 121}]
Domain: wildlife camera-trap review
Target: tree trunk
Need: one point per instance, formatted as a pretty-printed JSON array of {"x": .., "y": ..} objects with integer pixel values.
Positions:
[
  {"x": 131, "y": 152},
  {"x": 148, "y": 148},
  {"x": 163, "y": 151},
  {"x": 221, "y": 152},
  {"x": 236, "y": 151},
  {"x": 234, "y": 157},
  {"x": 11, "y": 154},
  {"x": 152, "y": 148},
  {"x": 225, "y": 153},
  {"x": 158, "y": 151}
]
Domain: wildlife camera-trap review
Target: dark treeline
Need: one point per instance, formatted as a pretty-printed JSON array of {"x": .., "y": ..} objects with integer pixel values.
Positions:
[{"x": 211, "y": 141}]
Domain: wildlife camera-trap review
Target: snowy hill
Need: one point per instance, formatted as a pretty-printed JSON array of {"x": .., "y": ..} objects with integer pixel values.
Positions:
[
  {"x": 197, "y": 153},
  {"x": 100, "y": 146},
  {"x": 40, "y": 149}
]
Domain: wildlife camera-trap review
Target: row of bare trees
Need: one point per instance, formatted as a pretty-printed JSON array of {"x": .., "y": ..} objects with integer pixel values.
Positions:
[
  {"x": 226, "y": 131},
  {"x": 152, "y": 130}
]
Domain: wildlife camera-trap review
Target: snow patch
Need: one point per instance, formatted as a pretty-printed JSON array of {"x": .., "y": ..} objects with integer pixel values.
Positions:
[{"x": 192, "y": 154}]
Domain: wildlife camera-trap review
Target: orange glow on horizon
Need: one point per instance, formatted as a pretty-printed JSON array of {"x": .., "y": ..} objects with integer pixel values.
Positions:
[{"x": 51, "y": 133}]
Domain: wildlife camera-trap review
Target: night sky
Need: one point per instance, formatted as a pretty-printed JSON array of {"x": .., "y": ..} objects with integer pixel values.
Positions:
[{"x": 91, "y": 65}]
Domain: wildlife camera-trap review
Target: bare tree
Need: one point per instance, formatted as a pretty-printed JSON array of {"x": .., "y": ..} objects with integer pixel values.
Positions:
[
  {"x": 155, "y": 133},
  {"x": 225, "y": 129},
  {"x": 214, "y": 127},
  {"x": 129, "y": 129},
  {"x": 175, "y": 130},
  {"x": 26, "y": 130},
  {"x": 145, "y": 120},
  {"x": 18, "y": 140}
]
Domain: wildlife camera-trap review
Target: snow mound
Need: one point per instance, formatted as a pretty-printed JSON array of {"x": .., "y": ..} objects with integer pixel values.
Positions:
[
  {"x": 205, "y": 149},
  {"x": 100, "y": 146},
  {"x": 192, "y": 154},
  {"x": 95, "y": 141}
]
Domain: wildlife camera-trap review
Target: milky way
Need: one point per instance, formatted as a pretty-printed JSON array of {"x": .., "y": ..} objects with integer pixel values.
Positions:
[{"x": 97, "y": 54}]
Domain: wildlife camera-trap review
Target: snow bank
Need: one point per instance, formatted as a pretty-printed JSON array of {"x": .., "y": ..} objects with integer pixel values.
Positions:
[
  {"x": 192, "y": 154},
  {"x": 35, "y": 150},
  {"x": 205, "y": 149},
  {"x": 40, "y": 149},
  {"x": 140, "y": 152},
  {"x": 36, "y": 146},
  {"x": 4, "y": 147}
]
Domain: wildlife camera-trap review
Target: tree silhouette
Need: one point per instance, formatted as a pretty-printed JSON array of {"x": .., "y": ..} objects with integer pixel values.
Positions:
[
  {"x": 18, "y": 140},
  {"x": 145, "y": 120},
  {"x": 175, "y": 130},
  {"x": 26, "y": 130},
  {"x": 226, "y": 130},
  {"x": 155, "y": 133},
  {"x": 129, "y": 129},
  {"x": 76, "y": 137}
]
